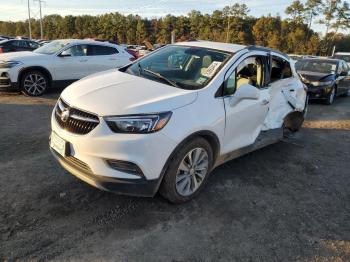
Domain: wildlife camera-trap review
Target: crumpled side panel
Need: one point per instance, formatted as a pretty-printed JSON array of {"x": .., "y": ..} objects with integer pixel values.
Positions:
[{"x": 283, "y": 100}]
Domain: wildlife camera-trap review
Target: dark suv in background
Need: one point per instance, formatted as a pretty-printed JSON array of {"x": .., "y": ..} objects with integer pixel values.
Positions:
[
  {"x": 325, "y": 78},
  {"x": 15, "y": 45}
]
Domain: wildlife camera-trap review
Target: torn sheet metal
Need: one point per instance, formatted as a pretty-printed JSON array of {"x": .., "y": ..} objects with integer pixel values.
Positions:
[{"x": 283, "y": 101}]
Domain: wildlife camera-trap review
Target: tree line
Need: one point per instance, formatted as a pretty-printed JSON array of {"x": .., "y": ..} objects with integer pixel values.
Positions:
[{"x": 232, "y": 24}]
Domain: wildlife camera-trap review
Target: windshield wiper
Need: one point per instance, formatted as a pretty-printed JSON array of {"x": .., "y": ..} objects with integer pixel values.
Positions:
[{"x": 161, "y": 77}]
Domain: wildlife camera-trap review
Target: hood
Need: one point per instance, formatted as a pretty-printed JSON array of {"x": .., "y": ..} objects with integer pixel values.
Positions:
[
  {"x": 115, "y": 93},
  {"x": 21, "y": 56},
  {"x": 315, "y": 76}
]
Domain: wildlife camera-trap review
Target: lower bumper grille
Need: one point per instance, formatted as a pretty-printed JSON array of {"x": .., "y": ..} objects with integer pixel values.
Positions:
[
  {"x": 74, "y": 163},
  {"x": 5, "y": 82}
]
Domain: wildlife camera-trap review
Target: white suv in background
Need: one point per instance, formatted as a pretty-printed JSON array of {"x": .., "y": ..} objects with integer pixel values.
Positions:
[
  {"x": 58, "y": 63},
  {"x": 167, "y": 120}
]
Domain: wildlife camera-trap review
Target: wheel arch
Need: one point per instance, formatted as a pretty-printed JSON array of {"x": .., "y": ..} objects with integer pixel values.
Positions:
[
  {"x": 293, "y": 120},
  {"x": 34, "y": 68},
  {"x": 209, "y": 136}
]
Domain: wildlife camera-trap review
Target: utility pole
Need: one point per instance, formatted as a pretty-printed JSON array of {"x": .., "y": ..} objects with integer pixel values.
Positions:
[
  {"x": 30, "y": 22},
  {"x": 41, "y": 21},
  {"x": 173, "y": 37},
  {"x": 229, "y": 14},
  {"x": 228, "y": 29}
]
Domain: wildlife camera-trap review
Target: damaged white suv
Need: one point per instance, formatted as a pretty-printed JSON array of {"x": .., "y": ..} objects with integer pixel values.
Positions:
[{"x": 166, "y": 121}]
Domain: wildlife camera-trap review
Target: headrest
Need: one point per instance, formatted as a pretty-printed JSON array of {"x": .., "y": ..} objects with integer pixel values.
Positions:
[{"x": 206, "y": 61}]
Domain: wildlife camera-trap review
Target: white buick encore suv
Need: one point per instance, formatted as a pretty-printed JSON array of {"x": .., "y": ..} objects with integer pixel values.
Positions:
[{"x": 164, "y": 122}]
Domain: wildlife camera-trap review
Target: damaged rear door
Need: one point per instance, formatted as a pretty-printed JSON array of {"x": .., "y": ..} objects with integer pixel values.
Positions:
[{"x": 287, "y": 94}]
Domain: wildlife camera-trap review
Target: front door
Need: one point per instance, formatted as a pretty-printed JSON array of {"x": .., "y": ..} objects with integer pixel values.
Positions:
[
  {"x": 245, "y": 119},
  {"x": 72, "y": 63}
]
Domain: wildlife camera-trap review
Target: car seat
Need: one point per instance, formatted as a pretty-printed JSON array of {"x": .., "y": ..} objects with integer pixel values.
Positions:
[{"x": 244, "y": 77}]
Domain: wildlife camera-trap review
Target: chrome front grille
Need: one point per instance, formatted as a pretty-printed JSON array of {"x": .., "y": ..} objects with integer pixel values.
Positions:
[{"x": 74, "y": 120}]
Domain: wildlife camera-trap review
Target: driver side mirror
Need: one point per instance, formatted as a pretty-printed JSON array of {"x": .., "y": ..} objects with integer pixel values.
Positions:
[
  {"x": 65, "y": 53},
  {"x": 245, "y": 91}
]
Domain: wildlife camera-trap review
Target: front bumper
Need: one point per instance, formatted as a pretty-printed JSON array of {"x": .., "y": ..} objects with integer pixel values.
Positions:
[
  {"x": 89, "y": 153},
  {"x": 7, "y": 80},
  {"x": 139, "y": 187},
  {"x": 318, "y": 92}
]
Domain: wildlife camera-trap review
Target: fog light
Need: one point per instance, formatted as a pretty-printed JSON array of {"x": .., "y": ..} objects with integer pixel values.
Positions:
[{"x": 125, "y": 167}]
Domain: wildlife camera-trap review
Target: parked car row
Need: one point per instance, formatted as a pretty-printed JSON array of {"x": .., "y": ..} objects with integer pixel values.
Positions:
[
  {"x": 53, "y": 66},
  {"x": 142, "y": 50},
  {"x": 162, "y": 123}
]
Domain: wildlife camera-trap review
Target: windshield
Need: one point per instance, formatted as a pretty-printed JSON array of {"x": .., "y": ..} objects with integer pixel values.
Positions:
[
  {"x": 346, "y": 58},
  {"x": 181, "y": 66},
  {"x": 317, "y": 66},
  {"x": 52, "y": 48}
]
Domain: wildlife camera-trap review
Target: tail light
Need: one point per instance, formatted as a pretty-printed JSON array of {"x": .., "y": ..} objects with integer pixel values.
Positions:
[{"x": 1, "y": 50}]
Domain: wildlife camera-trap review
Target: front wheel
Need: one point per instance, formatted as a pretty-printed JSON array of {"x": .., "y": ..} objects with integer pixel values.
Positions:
[
  {"x": 188, "y": 171},
  {"x": 330, "y": 97},
  {"x": 34, "y": 83}
]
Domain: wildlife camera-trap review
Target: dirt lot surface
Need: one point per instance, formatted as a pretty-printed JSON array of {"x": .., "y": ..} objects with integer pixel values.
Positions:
[{"x": 287, "y": 202}]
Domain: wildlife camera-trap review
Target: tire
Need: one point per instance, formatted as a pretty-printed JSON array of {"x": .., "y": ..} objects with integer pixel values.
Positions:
[
  {"x": 293, "y": 123},
  {"x": 331, "y": 96},
  {"x": 34, "y": 83},
  {"x": 182, "y": 183}
]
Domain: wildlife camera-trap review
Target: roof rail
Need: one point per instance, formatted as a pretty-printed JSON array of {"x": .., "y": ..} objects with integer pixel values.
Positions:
[{"x": 265, "y": 49}]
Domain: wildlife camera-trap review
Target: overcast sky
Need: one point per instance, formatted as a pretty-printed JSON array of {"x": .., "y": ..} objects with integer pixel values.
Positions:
[{"x": 15, "y": 10}]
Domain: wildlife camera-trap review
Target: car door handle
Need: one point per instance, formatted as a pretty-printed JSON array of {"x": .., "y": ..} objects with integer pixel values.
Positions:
[
  {"x": 265, "y": 102},
  {"x": 83, "y": 60},
  {"x": 112, "y": 59}
]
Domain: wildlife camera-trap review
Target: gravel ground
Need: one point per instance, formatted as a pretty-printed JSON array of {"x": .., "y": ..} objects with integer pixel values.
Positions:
[{"x": 287, "y": 202}]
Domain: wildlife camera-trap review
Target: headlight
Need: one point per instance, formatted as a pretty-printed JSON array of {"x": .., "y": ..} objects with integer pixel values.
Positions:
[
  {"x": 9, "y": 64},
  {"x": 328, "y": 83},
  {"x": 138, "y": 124}
]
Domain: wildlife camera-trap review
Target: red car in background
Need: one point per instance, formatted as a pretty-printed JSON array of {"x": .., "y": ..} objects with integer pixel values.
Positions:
[{"x": 134, "y": 53}]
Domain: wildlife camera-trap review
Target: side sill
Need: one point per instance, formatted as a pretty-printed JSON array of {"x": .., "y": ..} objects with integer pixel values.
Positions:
[{"x": 264, "y": 139}]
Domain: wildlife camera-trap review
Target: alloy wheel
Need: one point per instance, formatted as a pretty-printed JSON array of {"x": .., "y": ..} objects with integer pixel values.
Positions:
[
  {"x": 34, "y": 84},
  {"x": 192, "y": 171}
]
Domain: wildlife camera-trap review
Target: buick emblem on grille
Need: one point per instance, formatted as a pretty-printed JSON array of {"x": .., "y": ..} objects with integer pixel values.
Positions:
[{"x": 65, "y": 115}]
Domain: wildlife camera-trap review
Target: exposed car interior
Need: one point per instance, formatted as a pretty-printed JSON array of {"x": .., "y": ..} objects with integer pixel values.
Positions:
[
  {"x": 280, "y": 69},
  {"x": 250, "y": 72},
  {"x": 189, "y": 68}
]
